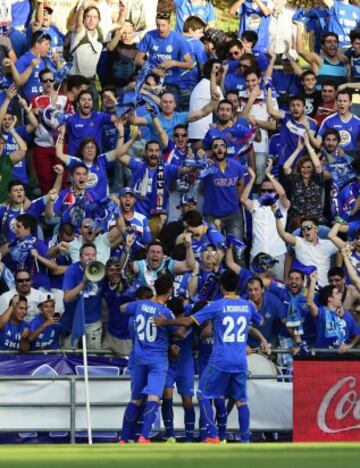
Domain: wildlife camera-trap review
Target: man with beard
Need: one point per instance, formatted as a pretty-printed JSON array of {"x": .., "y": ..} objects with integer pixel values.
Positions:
[
  {"x": 298, "y": 314},
  {"x": 148, "y": 270},
  {"x": 328, "y": 65},
  {"x": 293, "y": 125},
  {"x": 327, "y": 104},
  {"x": 345, "y": 122},
  {"x": 150, "y": 182},
  {"x": 86, "y": 123},
  {"x": 223, "y": 184},
  {"x": 238, "y": 136}
]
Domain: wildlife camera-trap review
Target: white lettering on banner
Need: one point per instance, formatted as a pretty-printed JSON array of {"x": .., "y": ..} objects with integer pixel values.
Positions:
[{"x": 349, "y": 403}]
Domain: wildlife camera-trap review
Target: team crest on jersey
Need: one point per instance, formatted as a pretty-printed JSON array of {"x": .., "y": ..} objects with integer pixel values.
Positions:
[
  {"x": 345, "y": 137},
  {"x": 12, "y": 225},
  {"x": 155, "y": 48},
  {"x": 92, "y": 180},
  {"x": 254, "y": 21},
  {"x": 169, "y": 48}
]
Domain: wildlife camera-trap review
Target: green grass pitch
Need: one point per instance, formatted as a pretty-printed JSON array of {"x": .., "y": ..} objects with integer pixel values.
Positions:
[{"x": 180, "y": 455}]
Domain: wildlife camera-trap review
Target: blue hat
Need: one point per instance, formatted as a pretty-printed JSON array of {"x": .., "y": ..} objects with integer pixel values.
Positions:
[
  {"x": 186, "y": 199},
  {"x": 126, "y": 191},
  {"x": 262, "y": 262}
]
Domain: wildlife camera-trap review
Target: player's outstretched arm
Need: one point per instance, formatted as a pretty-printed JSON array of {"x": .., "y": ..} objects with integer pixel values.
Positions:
[{"x": 164, "y": 322}]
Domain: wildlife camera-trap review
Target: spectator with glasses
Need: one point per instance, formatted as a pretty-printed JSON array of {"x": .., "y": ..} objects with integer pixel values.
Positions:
[
  {"x": 309, "y": 248},
  {"x": 23, "y": 287},
  {"x": 45, "y": 105}
]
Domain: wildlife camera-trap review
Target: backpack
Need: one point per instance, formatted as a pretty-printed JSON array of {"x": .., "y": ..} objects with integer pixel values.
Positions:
[{"x": 68, "y": 53}]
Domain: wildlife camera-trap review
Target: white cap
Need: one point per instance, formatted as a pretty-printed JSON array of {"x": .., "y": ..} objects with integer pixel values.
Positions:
[{"x": 45, "y": 297}]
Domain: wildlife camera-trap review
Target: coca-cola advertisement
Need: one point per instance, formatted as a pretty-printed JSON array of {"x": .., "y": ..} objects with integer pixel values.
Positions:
[{"x": 326, "y": 400}]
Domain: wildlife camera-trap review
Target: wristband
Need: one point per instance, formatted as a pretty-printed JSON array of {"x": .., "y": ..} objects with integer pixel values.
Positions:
[{"x": 278, "y": 214}]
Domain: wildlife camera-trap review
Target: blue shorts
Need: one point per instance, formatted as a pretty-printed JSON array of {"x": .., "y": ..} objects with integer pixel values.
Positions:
[
  {"x": 183, "y": 375},
  {"x": 215, "y": 383},
  {"x": 147, "y": 379}
]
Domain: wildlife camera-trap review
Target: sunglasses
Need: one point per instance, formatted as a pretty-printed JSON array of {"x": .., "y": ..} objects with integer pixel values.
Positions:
[
  {"x": 267, "y": 190},
  {"x": 307, "y": 228},
  {"x": 163, "y": 15},
  {"x": 23, "y": 280},
  {"x": 88, "y": 226},
  {"x": 48, "y": 80},
  {"x": 177, "y": 135},
  {"x": 220, "y": 145}
]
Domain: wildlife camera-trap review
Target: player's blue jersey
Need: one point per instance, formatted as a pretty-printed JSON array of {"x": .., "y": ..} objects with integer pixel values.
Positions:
[
  {"x": 151, "y": 342},
  {"x": 231, "y": 317}
]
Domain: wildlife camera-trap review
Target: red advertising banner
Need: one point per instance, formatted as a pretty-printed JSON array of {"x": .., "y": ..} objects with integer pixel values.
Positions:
[{"x": 326, "y": 401}]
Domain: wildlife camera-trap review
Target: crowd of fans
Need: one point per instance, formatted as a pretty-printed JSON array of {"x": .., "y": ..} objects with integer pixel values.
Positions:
[{"x": 160, "y": 145}]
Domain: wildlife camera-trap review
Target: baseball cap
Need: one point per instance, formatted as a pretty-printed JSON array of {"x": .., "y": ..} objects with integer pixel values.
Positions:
[
  {"x": 126, "y": 191},
  {"x": 186, "y": 199},
  {"x": 47, "y": 7},
  {"x": 45, "y": 297},
  {"x": 262, "y": 262}
]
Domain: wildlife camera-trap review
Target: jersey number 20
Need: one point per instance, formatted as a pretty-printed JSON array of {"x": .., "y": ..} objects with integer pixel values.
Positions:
[
  {"x": 145, "y": 329},
  {"x": 230, "y": 334}
]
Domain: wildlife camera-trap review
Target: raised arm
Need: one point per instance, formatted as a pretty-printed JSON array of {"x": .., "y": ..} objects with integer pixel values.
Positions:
[
  {"x": 10, "y": 94},
  {"x": 230, "y": 262},
  {"x": 353, "y": 274},
  {"x": 59, "y": 147},
  {"x": 277, "y": 114},
  {"x": 333, "y": 235},
  {"x": 189, "y": 263},
  {"x": 311, "y": 293},
  {"x": 287, "y": 167},
  {"x": 234, "y": 9},
  {"x": 285, "y": 236},
  {"x": 245, "y": 196},
  {"x": 311, "y": 57},
  {"x": 314, "y": 157},
  {"x": 206, "y": 110},
  {"x": 17, "y": 156},
  {"x": 279, "y": 189}
]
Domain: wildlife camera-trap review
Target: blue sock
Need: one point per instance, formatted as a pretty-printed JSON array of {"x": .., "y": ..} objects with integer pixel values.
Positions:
[
  {"x": 168, "y": 416},
  {"x": 189, "y": 419},
  {"x": 129, "y": 421},
  {"x": 150, "y": 411},
  {"x": 203, "y": 429},
  {"x": 244, "y": 422},
  {"x": 221, "y": 416},
  {"x": 207, "y": 414},
  {"x": 137, "y": 427}
]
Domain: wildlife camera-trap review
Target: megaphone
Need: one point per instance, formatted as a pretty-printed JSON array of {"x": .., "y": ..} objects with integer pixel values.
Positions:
[{"x": 95, "y": 271}]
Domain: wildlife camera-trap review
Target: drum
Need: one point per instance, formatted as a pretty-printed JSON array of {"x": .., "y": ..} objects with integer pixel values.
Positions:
[{"x": 260, "y": 364}]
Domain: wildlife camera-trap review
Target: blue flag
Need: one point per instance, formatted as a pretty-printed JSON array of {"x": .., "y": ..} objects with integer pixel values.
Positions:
[
  {"x": 78, "y": 323},
  {"x": 306, "y": 269}
]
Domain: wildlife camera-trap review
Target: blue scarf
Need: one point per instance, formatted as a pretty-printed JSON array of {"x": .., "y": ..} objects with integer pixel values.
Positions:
[
  {"x": 333, "y": 328},
  {"x": 20, "y": 249},
  {"x": 158, "y": 185},
  {"x": 294, "y": 315}
]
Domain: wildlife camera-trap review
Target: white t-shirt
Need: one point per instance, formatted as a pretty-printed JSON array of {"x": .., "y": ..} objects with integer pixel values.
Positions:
[
  {"x": 198, "y": 99},
  {"x": 102, "y": 248},
  {"x": 33, "y": 300},
  {"x": 318, "y": 255},
  {"x": 86, "y": 57},
  {"x": 265, "y": 236},
  {"x": 259, "y": 110}
]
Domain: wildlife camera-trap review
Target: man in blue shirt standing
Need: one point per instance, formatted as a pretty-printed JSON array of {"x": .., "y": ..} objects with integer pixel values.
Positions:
[
  {"x": 222, "y": 188},
  {"x": 226, "y": 373},
  {"x": 167, "y": 52},
  {"x": 150, "y": 359},
  {"x": 76, "y": 284}
]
